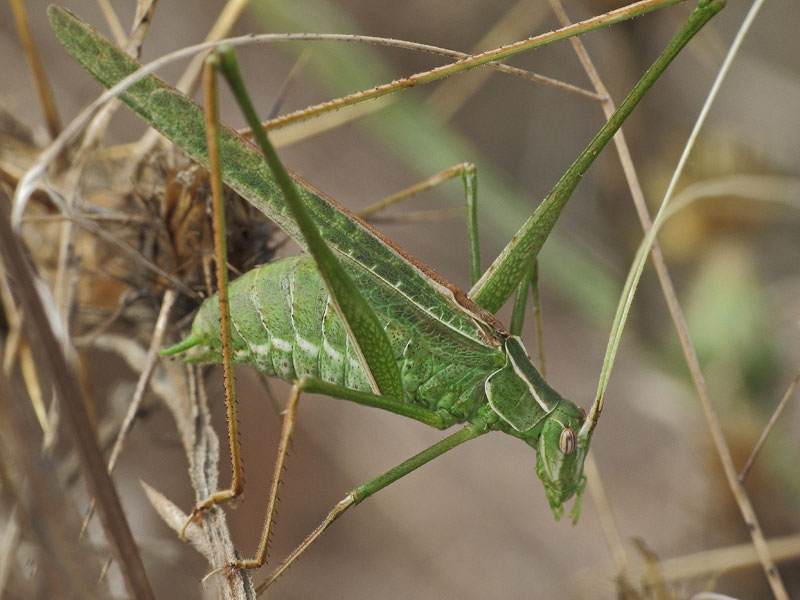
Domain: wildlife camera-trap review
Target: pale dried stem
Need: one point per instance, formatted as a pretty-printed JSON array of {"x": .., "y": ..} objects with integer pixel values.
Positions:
[
  {"x": 610, "y": 528},
  {"x": 762, "y": 188},
  {"x": 40, "y": 517},
  {"x": 142, "y": 19},
  {"x": 185, "y": 398},
  {"x": 770, "y": 425},
  {"x": 670, "y": 296},
  {"x": 739, "y": 493},
  {"x": 700, "y": 564},
  {"x": 67, "y": 270},
  {"x": 43, "y": 89},
  {"x": 48, "y": 340},
  {"x": 189, "y": 406},
  {"x": 30, "y": 375},
  {"x": 223, "y": 25},
  {"x": 13, "y": 316},
  {"x": 156, "y": 341},
  {"x": 188, "y": 80},
  {"x": 653, "y": 577},
  {"x": 17, "y": 350},
  {"x": 113, "y": 22},
  {"x": 96, "y": 229}
]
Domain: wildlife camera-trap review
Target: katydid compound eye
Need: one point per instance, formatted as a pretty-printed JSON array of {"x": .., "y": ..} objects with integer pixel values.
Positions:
[{"x": 567, "y": 441}]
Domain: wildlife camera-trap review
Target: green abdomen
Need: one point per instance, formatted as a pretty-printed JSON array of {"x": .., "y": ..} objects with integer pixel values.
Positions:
[{"x": 284, "y": 325}]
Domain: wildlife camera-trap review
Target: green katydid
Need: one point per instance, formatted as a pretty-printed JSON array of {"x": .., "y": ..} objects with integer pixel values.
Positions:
[{"x": 436, "y": 354}]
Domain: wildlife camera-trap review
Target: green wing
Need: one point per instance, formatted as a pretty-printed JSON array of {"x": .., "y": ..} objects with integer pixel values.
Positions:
[{"x": 243, "y": 169}]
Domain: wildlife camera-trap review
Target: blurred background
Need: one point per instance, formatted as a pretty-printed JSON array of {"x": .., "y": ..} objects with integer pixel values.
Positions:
[{"x": 475, "y": 523}]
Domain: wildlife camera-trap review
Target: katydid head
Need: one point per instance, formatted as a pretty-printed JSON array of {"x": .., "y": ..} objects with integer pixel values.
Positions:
[
  {"x": 538, "y": 414},
  {"x": 559, "y": 458}
]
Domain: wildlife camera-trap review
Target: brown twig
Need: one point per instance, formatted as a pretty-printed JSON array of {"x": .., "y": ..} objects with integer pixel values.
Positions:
[{"x": 39, "y": 77}]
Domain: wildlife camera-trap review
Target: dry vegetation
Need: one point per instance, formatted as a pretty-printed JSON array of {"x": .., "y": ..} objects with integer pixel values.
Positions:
[{"x": 119, "y": 231}]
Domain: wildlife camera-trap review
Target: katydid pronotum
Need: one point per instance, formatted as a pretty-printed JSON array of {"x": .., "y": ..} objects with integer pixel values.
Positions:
[{"x": 417, "y": 346}]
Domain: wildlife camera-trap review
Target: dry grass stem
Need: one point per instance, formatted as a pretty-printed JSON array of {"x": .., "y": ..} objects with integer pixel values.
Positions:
[
  {"x": 40, "y": 80},
  {"x": 671, "y": 297},
  {"x": 47, "y": 345},
  {"x": 768, "y": 428},
  {"x": 696, "y": 565},
  {"x": 145, "y": 373}
]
